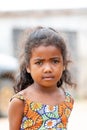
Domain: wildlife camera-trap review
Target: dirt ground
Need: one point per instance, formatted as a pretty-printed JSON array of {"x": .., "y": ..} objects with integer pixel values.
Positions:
[{"x": 77, "y": 120}]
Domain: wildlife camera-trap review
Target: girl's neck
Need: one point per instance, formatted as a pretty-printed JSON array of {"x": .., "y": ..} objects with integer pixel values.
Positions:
[{"x": 44, "y": 89}]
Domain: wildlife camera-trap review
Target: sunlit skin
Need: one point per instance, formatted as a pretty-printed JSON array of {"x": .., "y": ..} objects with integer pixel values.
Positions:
[{"x": 46, "y": 67}]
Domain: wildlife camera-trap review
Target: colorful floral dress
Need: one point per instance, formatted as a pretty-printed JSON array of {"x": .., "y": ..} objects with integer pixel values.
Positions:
[{"x": 39, "y": 116}]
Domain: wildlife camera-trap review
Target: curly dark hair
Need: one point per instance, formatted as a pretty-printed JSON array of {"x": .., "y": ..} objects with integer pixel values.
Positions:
[{"x": 36, "y": 37}]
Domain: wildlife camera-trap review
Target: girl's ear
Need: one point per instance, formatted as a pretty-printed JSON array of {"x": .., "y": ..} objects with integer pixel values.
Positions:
[{"x": 28, "y": 69}]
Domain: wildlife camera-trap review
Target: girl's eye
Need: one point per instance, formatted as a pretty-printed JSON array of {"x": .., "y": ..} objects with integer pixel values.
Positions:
[
  {"x": 55, "y": 61},
  {"x": 39, "y": 63}
]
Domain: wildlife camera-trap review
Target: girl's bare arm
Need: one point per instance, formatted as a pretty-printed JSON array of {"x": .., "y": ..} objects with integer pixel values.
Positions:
[{"x": 15, "y": 113}]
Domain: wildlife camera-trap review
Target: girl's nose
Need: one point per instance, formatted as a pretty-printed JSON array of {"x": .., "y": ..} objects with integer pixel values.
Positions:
[{"x": 47, "y": 68}]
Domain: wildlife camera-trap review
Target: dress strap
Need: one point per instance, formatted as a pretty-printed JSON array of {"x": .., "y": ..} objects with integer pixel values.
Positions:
[
  {"x": 18, "y": 96},
  {"x": 69, "y": 101}
]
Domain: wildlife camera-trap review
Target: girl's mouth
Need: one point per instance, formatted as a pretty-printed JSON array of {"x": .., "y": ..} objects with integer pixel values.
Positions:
[{"x": 48, "y": 77}]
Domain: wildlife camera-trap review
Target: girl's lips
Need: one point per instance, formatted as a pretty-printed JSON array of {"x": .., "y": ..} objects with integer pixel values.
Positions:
[{"x": 48, "y": 77}]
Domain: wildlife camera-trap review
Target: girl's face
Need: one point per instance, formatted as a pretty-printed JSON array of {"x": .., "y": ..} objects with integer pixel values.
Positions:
[{"x": 46, "y": 65}]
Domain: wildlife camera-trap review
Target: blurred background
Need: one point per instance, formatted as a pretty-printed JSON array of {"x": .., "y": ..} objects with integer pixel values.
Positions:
[{"x": 70, "y": 18}]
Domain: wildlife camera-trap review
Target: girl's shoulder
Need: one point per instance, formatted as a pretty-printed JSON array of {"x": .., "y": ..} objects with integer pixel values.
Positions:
[
  {"x": 69, "y": 100},
  {"x": 18, "y": 96},
  {"x": 16, "y": 101},
  {"x": 67, "y": 93},
  {"x": 16, "y": 105}
]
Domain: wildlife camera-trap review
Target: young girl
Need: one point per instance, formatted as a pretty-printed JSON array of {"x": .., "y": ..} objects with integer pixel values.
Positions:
[{"x": 41, "y": 103}]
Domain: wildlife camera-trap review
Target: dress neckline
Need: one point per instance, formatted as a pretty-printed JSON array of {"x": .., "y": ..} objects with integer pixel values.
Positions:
[{"x": 43, "y": 104}]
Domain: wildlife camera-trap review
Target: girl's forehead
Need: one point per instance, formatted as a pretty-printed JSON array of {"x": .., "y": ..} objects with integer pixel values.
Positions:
[{"x": 46, "y": 51}]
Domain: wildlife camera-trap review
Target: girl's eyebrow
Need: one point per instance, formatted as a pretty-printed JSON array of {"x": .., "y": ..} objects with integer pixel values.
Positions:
[
  {"x": 40, "y": 58},
  {"x": 56, "y": 57}
]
